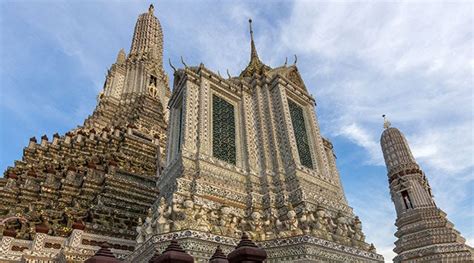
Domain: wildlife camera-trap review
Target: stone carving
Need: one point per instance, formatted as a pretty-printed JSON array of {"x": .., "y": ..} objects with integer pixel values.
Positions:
[
  {"x": 270, "y": 228},
  {"x": 290, "y": 225},
  {"x": 358, "y": 235},
  {"x": 162, "y": 222},
  {"x": 306, "y": 221},
  {"x": 225, "y": 219},
  {"x": 148, "y": 227},
  {"x": 256, "y": 226},
  {"x": 202, "y": 221},
  {"x": 139, "y": 229},
  {"x": 321, "y": 225},
  {"x": 341, "y": 232}
]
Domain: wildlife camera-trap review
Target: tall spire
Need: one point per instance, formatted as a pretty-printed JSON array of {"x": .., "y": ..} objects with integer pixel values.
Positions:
[
  {"x": 423, "y": 231},
  {"x": 147, "y": 37},
  {"x": 253, "y": 50},
  {"x": 255, "y": 66}
]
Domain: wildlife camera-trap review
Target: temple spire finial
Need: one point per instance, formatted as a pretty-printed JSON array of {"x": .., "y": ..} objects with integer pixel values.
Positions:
[
  {"x": 386, "y": 123},
  {"x": 255, "y": 66},
  {"x": 253, "y": 53},
  {"x": 151, "y": 9}
]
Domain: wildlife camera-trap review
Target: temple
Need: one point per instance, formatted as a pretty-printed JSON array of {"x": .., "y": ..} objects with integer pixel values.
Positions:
[
  {"x": 93, "y": 183},
  {"x": 245, "y": 155},
  {"x": 221, "y": 165},
  {"x": 424, "y": 233}
]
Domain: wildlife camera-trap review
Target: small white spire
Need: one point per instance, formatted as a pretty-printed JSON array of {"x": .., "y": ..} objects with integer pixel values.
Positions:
[
  {"x": 151, "y": 9},
  {"x": 386, "y": 123}
]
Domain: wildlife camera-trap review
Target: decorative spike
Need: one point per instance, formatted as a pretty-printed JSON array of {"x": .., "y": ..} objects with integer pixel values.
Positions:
[
  {"x": 296, "y": 60},
  {"x": 255, "y": 66},
  {"x": 182, "y": 61},
  {"x": 286, "y": 61},
  {"x": 171, "y": 65},
  {"x": 253, "y": 50}
]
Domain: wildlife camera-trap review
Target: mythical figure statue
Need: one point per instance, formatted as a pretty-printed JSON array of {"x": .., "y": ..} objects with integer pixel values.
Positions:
[
  {"x": 224, "y": 221},
  {"x": 74, "y": 214},
  {"x": 256, "y": 226},
  {"x": 271, "y": 232},
  {"x": 140, "y": 232},
  {"x": 306, "y": 221},
  {"x": 184, "y": 215},
  {"x": 342, "y": 230},
  {"x": 148, "y": 227},
  {"x": 358, "y": 235},
  {"x": 162, "y": 222},
  {"x": 321, "y": 228},
  {"x": 202, "y": 221},
  {"x": 234, "y": 226},
  {"x": 290, "y": 225}
]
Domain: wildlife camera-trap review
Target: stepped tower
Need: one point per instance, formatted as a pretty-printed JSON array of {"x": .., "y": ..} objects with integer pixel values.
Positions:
[
  {"x": 424, "y": 233},
  {"x": 246, "y": 154},
  {"x": 93, "y": 183}
]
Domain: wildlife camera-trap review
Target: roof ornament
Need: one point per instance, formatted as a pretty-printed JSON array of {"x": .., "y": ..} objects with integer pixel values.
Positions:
[
  {"x": 151, "y": 9},
  {"x": 286, "y": 61},
  {"x": 386, "y": 123},
  {"x": 296, "y": 60},
  {"x": 219, "y": 73},
  {"x": 255, "y": 66},
  {"x": 253, "y": 53},
  {"x": 182, "y": 61},
  {"x": 171, "y": 65},
  {"x": 228, "y": 74}
]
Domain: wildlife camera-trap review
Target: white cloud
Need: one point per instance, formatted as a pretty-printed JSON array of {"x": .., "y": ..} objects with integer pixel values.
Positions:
[
  {"x": 411, "y": 61},
  {"x": 414, "y": 64},
  {"x": 362, "y": 138}
]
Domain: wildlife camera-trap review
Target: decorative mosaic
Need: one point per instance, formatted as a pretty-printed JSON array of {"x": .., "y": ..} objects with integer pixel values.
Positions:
[
  {"x": 223, "y": 130},
  {"x": 299, "y": 129}
]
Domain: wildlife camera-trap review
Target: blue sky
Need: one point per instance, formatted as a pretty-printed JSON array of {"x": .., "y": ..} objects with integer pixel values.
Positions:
[{"x": 413, "y": 61}]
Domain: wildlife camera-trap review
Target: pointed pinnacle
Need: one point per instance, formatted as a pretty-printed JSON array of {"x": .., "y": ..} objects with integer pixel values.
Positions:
[{"x": 253, "y": 53}]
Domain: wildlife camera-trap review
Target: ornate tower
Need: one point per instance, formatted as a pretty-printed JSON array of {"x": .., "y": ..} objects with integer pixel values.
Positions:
[
  {"x": 424, "y": 233},
  {"x": 69, "y": 194},
  {"x": 246, "y": 154},
  {"x": 136, "y": 90}
]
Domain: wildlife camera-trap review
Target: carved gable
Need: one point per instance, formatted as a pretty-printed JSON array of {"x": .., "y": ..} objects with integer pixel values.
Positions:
[{"x": 295, "y": 77}]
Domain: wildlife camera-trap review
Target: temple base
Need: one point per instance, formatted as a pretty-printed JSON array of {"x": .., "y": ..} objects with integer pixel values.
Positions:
[
  {"x": 78, "y": 247},
  {"x": 295, "y": 249}
]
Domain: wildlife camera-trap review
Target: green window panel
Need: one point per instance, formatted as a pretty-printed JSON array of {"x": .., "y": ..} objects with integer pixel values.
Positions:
[
  {"x": 301, "y": 136},
  {"x": 223, "y": 130}
]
